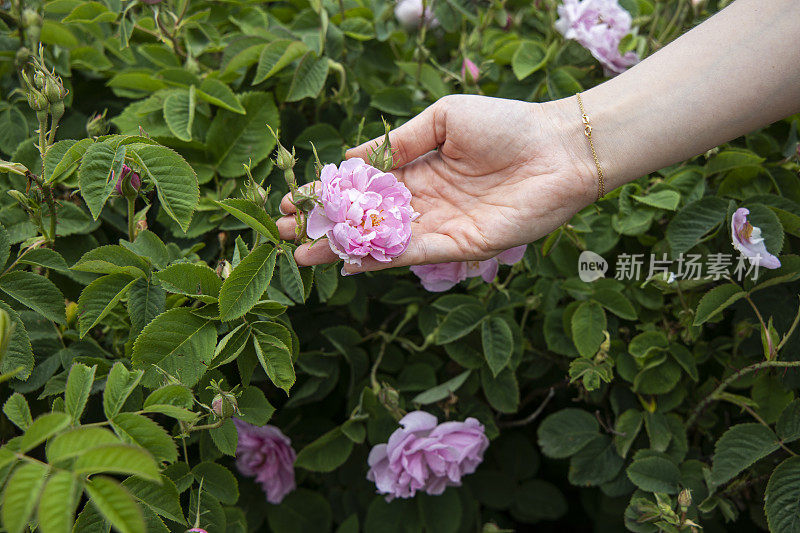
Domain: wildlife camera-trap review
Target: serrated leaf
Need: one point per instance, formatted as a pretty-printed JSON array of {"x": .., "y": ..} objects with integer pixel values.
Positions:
[
  {"x": 276, "y": 359},
  {"x": 529, "y": 57},
  {"x": 57, "y": 504},
  {"x": 277, "y": 55},
  {"x": 179, "y": 113},
  {"x": 115, "y": 504},
  {"x": 17, "y": 411},
  {"x": 94, "y": 174},
  {"x": 236, "y": 139},
  {"x": 76, "y": 441},
  {"x": 146, "y": 300},
  {"x": 42, "y": 429},
  {"x": 141, "y": 431},
  {"x": 21, "y": 495},
  {"x": 309, "y": 78},
  {"x": 788, "y": 426},
  {"x": 616, "y": 303},
  {"x": 162, "y": 496},
  {"x": 626, "y": 429},
  {"x": 246, "y": 283},
  {"x": 565, "y": 432},
  {"x": 254, "y": 407},
  {"x": 291, "y": 278},
  {"x": 112, "y": 259},
  {"x": 117, "y": 458},
  {"x": 119, "y": 385},
  {"x": 689, "y": 225},
  {"x": 217, "y": 481},
  {"x": 45, "y": 257},
  {"x": 717, "y": 300},
  {"x": 36, "y": 292},
  {"x": 459, "y": 322},
  {"x": 654, "y": 474},
  {"x": 442, "y": 391},
  {"x": 225, "y": 437},
  {"x": 217, "y": 93},
  {"x": 175, "y": 180},
  {"x": 738, "y": 448},
  {"x": 99, "y": 298},
  {"x": 19, "y": 354},
  {"x": 191, "y": 279},
  {"x": 588, "y": 324},
  {"x": 231, "y": 346},
  {"x": 498, "y": 343},
  {"x": 69, "y": 161},
  {"x": 252, "y": 215},
  {"x": 782, "y": 497},
  {"x": 79, "y": 385},
  {"x": 325, "y": 454}
]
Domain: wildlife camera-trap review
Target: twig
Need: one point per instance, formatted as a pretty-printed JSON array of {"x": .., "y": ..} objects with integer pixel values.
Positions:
[{"x": 534, "y": 415}]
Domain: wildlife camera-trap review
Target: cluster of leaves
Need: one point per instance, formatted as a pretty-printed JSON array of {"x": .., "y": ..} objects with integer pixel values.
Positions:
[{"x": 604, "y": 401}]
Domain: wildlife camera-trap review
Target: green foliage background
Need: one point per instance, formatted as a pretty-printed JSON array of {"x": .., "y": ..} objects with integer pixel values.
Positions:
[{"x": 603, "y": 401}]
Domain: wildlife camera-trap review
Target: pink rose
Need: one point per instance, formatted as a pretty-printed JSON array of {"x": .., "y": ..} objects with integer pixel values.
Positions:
[
  {"x": 439, "y": 277},
  {"x": 363, "y": 212},
  {"x": 424, "y": 456},
  {"x": 135, "y": 180},
  {"x": 266, "y": 454},
  {"x": 748, "y": 240},
  {"x": 599, "y": 26},
  {"x": 409, "y": 14},
  {"x": 468, "y": 68}
]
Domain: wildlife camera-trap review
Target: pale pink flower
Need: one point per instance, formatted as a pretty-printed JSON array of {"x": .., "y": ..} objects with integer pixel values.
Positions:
[
  {"x": 599, "y": 26},
  {"x": 748, "y": 240},
  {"x": 425, "y": 456},
  {"x": 409, "y": 14},
  {"x": 469, "y": 68},
  {"x": 439, "y": 277},
  {"x": 363, "y": 212},
  {"x": 266, "y": 454}
]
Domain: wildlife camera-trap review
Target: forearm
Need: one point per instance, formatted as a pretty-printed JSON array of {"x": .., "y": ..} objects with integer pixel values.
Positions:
[{"x": 736, "y": 72}]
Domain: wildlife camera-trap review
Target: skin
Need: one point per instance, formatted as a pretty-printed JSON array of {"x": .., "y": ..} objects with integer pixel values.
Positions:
[{"x": 488, "y": 174}]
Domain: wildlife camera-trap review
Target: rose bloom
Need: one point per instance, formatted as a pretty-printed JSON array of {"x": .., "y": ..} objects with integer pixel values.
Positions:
[
  {"x": 425, "y": 456},
  {"x": 136, "y": 181},
  {"x": 266, "y": 454},
  {"x": 748, "y": 240},
  {"x": 599, "y": 26},
  {"x": 409, "y": 14},
  {"x": 440, "y": 277},
  {"x": 363, "y": 212}
]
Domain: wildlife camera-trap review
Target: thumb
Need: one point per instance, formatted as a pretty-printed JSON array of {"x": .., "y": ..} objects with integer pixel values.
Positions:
[{"x": 418, "y": 136}]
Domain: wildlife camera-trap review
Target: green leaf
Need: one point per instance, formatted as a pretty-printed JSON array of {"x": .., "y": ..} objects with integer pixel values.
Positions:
[
  {"x": 140, "y": 430},
  {"x": 79, "y": 385},
  {"x": 217, "y": 93},
  {"x": 782, "y": 497},
  {"x": 112, "y": 259},
  {"x": 36, "y": 292},
  {"x": 172, "y": 394},
  {"x": 146, "y": 300},
  {"x": 501, "y": 391},
  {"x": 175, "y": 180},
  {"x": 19, "y": 354},
  {"x": 733, "y": 158},
  {"x": 276, "y": 359},
  {"x": 5, "y": 246},
  {"x": 21, "y": 495},
  {"x": 225, "y": 437},
  {"x": 191, "y": 279},
  {"x": 327, "y": 453},
  {"x": 42, "y": 429},
  {"x": 252, "y": 215},
  {"x": 45, "y": 257},
  {"x": 626, "y": 429},
  {"x": 254, "y": 407},
  {"x": 302, "y": 511},
  {"x": 237, "y": 139},
  {"x": 277, "y": 55},
  {"x": 309, "y": 78},
  {"x": 162, "y": 496},
  {"x": 94, "y": 174},
  {"x": 99, "y": 298},
  {"x": 179, "y": 113},
  {"x": 117, "y": 458},
  {"x": 596, "y": 463},
  {"x": 536, "y": 500},
  {"x": 119, "y": 385},
  {"x": 498, "y": 343},
  {"x": 115, "y": 504},
  {"x": 738, "y": 448},
  {"x": 76, "y": 441},
  {"x": 442, "y": 391},
  {"x": 716, "y": 300},
  {"x": 58, "y": 502},
  {"x": 566, "y": 432},
  {"x": 247, "y": 283},
  {"x": 291, "y": 278},
  {"x": 788, "y": 427},
  {"x": 68, "y": 162},
  {"x": 217, "y": 481},
  {"x": 529, "y": 57},
  {"x": 654, "y": 474},
  {"x": 647, "y": 343},
  {"x": 663, "y": 199},
  {"x": 588, "y": 324},
  {"x": 175, "y": 333},
  {"x": 459, "y": 322},
  {"x": 689, "y": 225},
  {"x": 17, "y": 410},
  {"x": 616, "y": 303}
]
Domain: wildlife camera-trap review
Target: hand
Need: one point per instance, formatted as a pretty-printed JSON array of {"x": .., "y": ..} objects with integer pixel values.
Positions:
[{"x": 505, "y": 173}]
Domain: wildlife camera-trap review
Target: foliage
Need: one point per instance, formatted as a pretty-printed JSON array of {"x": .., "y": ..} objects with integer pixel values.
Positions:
[{"x": 603, "y": 400}]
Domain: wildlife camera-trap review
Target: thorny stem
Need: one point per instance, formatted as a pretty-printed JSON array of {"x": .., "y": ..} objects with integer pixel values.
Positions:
[
  {"x": 534, "y": 415},
  {"x": 730, "y": 379}
]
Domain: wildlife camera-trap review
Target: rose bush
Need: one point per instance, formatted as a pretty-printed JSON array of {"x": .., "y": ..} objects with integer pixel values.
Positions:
[{"x": 165, "y": 365}]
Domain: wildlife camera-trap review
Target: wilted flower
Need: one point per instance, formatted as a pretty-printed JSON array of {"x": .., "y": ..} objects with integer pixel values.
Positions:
[
  {"x": 748, "y": 240},
  {"x": 599, "y": 26},
  {"x": 266, "y": 454},
  {"x": 135, "y": 180},
  {"x": 469, "y": 71},
  {"x": 409, "y": 13},
  {"x": 363, "y": 212},
  {"x": 425, "y": 456},
  {"x": 440, "y": 277}
]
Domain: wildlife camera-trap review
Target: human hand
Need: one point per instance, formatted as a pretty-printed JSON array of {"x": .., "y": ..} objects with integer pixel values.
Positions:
[{"x": 505, "y": 173}]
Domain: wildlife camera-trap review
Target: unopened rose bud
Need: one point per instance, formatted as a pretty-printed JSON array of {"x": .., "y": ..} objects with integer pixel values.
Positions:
[
  {"x": 97, "y": 125},
  {"x": 38, "y": 80},
  {"x": 224, "y": 405},
  {"x": 72, "y": 313},
  {"x": 6, "y": 331},
  {"x": 381, "y": 157},
  {"x": 128, "y": 183},
  {"x": 54, "y": 89},
  {"x": 224, "y": 269},
  {"x": 469, "y": 71},
  {"x": 30, "y": 18},
  {"x": 222, "y": 238},
  {"x": 685, "y": 500}
]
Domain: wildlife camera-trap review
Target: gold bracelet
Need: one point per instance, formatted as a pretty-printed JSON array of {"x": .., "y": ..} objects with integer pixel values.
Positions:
[{"x": 587, "y": 130}]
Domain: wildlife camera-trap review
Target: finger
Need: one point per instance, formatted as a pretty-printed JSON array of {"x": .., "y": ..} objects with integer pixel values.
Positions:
[
  {"x": 420, "y": 135},
  {"x": 286, "y": 206},
  {"x": 422, "y": 249},
  {"x": 286, "y": 228},
  {"x": 315, "y": 253}
]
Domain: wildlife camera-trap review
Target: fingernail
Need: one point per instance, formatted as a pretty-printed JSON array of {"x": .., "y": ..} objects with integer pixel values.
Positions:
[
  {"x": 346, "y": 273},
  {"x": 280, "y": 209}
]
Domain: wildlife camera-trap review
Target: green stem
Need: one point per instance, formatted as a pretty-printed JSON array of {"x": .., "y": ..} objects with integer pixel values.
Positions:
[
  {"x": 730, "y": 379},
  {"x": 131, "y": 219}
]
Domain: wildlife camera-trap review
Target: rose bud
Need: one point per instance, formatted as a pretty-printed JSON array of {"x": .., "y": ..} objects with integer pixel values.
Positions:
[
  {"x": 97, "y": 126},
  {"x": 224, "y": 405},
  {"x": 469, "y": 71},
  {"x": 128, "y": 183}
]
